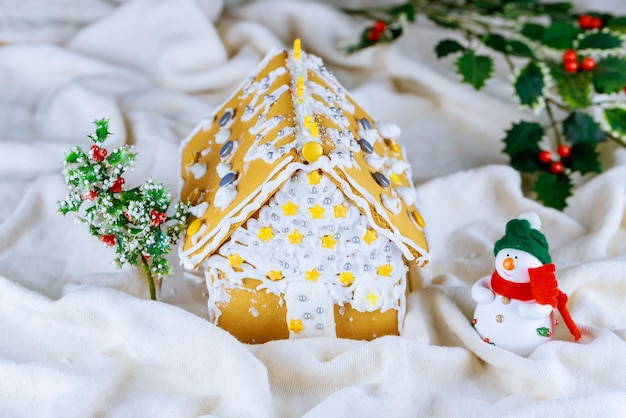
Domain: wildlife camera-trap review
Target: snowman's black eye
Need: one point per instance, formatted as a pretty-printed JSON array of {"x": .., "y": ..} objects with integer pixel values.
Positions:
[{"x": 516, "y": 257}]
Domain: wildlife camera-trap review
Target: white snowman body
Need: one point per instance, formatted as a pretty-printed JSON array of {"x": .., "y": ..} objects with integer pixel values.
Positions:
[{"x": 515, "y": 325}]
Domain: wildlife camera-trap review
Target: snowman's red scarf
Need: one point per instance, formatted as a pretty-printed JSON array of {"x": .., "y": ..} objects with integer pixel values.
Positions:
[{"x": 543, "y": 287}]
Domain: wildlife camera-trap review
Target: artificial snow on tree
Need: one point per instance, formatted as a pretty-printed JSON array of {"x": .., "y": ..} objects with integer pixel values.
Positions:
[
  {"x": 136, "y": 221},
  {"x": 515, "y": 309}
]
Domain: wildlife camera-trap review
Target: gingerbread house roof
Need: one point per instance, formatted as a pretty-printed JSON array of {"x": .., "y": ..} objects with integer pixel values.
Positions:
[{"x": 293, "y": 114}]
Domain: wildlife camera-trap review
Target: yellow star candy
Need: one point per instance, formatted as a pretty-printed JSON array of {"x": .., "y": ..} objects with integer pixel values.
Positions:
[
  {"x": 394, "y": 178},
  {"x": 266, "y": 233},
  {"x": 370, "y": 236},
  {"x": 372, "y": 299},
  {"x": 234, "y": 260},
  {"x": 328, "y": 242},
  {"x": 346, "y": 278},
  {"x": 340, "y": 211},
  {"x": 296, "y": 326},
  {"x": 385, "y": 270},
  {"x": 314, "y": 177},
  {"x": 275, "y": 275},
  {"x": 295, "y": 237},
  {"x": 312, "y": 275},
  {"x": 289, "y": 208},
  {"x": 317, "y": 212}
]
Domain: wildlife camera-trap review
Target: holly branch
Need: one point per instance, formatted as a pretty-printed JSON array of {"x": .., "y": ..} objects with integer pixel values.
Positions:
[
  {"x": 568, "y": 67},
  {"x": 136, "y": 221}
]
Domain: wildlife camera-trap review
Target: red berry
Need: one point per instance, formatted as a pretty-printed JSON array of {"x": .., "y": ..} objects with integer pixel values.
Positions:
[
  {"x": 585, "y": 21},
  {"x": 545, "y": 156},
  {"x": 570, "y": 66},
  {"x": 373, "y": 36},
  {"x": 117, "y": 185},
  {"x": 108, "y": 239},
  {"x": 588, "y": 64},
  {"x": 570, "y": 55},
  {"x": 91, "y": 195},
  {"x": 596, "y": 23},
  {"x": 379, "y": 26},
  {"x": 556, "y": 167},
  {"x": 157, "y": 217},
  {"x": 564, "y": 151},
  {"x": 98, "y": 154}
]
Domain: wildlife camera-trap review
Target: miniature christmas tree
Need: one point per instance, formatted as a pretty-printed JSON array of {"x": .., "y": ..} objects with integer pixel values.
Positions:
[{"x": 138, "y": 222}]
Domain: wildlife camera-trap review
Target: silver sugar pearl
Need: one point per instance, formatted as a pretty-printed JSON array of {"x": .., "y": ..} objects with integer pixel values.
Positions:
[
  {"x": 310, "y": 200},
  {"x": 347, "y": 266},
  {"x": 294, "y": 177},
  {"x": 340, "y": 154},
  {"x": 372, "y": 256},
  {"x": 281, "y": 149},
  {"x": 320, "y": 268},
  {"x": 307, "y": 315},
  {"x": 388, "y": 258},
  {"x": 274, "y": 217},
  {"x": 327, "y": 201},
  {"x": 319, "y": 310},
  {"x": 367, "y": 267},
  {"x": 325, "y": 189},
  {"x": 304, "y": 223},
  {"x": 270, "y": 155},
  {"x": 258, "y": 137},
  {"x": 337, "y": 235},
  {"x": 356, "y": 240},
  {"x": 285, "y": 230},
  {"x": 302, "y": 298},
  {"x": 319, "y": 326},
  {"x": 386, "y": 248},
  {"x": 309, "y": 234},
  {"x": 331, "y": 257},
  {"x": 313, "y": 190}
]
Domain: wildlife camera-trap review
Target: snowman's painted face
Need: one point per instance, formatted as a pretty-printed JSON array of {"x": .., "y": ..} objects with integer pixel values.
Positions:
[{"x": 513, "y": 265}]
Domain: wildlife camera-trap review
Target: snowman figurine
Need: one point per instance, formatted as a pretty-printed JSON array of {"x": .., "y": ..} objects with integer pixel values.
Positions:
[{"x": 515, "y": 305}]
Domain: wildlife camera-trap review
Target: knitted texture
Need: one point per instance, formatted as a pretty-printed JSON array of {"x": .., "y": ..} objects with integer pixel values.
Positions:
[{"x": 520, "y": 236}]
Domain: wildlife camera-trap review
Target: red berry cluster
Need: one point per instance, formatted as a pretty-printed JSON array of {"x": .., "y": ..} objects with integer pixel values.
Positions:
[
  {"x": 157, "y": 217},
  {"x": 376, "y": 32},
  {"x": 588, "y": 22},
  {"x": 108, "y": 239},
  {"x": 571, "y": 62},
  {"x": 555, "y": 166},
  {"x": 97, "y": 154},
  {"x": 117, "y": 185}
]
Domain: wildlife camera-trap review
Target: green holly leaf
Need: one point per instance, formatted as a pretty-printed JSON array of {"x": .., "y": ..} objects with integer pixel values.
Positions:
[
  {"x": 560, "y": 35},
  {"x": 580, "y": 128},
  {"x": 574, "y": 88},
  {"x": 75, "y": 155},
  {"x": 584, "y": 158},
  {"x": 533, "y": 31},
  {"x": 609, "y": 75},
  {"x": 616, "y": 23},
  {"x": 444, "y": 21},
  {"x": 543, "y": 331},
  {"x": 496, "y": 42},
  {"x": 474, "y": 69},
  {"x": 121, "y": 156},
  {"x": 519, "y": 49},
  {"x": 447, "y": 47},
  {"x": 599, "y": 40},
  {"x": 529, "y": 85},
  {"x": 616, "y": 119},
  {"x": 553, "y": 189},
  {"x": 407, "y": 10},
  {"x": 522, "y": 146}
]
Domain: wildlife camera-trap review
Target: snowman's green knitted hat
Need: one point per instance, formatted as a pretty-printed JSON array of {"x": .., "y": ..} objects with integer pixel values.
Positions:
[{"x": 520, "y": 235}]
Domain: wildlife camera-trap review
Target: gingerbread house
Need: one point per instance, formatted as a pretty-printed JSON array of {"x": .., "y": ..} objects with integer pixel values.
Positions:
[{"x": 304, "y": 219}]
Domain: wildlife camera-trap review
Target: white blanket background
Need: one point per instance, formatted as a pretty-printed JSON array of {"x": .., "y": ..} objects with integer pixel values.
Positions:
[{"x": 78, "y": 337}]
